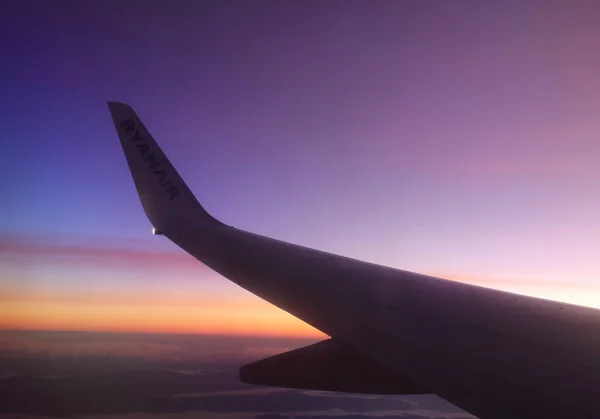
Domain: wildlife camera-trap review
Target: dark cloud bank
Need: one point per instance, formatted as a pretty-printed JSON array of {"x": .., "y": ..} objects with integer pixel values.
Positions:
[{"x": 46, "y": 384}]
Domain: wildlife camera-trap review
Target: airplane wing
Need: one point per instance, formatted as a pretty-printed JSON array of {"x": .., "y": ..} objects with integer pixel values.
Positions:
[{"x": 495, "y": 354}]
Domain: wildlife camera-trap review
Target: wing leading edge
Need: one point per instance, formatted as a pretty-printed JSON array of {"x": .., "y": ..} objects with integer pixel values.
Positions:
[{"x": 492, "y": 353}]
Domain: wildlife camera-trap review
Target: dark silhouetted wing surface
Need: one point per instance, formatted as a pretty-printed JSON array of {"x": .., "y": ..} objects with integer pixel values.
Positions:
[{"x": 495, "y": 354}]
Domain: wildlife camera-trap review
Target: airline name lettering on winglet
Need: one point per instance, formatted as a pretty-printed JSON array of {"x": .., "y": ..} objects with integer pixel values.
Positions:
[{"x": 151, "y": 160}]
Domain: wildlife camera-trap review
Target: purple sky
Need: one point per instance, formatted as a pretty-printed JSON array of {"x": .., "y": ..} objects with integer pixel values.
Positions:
[{"x": 454, "y": 138}]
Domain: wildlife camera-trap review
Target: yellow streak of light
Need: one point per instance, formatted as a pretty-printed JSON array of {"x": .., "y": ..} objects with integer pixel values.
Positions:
[{"x": 225, "y": 319}]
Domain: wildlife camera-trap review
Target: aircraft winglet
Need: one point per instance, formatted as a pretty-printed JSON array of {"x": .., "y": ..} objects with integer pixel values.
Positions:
[{"x": 165, "y": 197}]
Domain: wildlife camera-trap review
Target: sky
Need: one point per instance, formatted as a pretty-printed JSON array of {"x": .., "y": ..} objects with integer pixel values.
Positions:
[{"x": 458, "y": 139}]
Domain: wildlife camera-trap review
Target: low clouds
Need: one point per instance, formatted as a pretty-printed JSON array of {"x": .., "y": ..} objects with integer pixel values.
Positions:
[
  {"x": 355, "y": 416},
  {"x": 153, "y": 390},
  {"x": 141, "y": 346},
  {"x": 50, "y": 385},
  {"x": 102, "y": 388},
  {"x": 284, "y": 401}
]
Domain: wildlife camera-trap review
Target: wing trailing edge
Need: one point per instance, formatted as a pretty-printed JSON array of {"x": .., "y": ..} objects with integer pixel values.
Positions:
[{"x": 328, "y": 365}]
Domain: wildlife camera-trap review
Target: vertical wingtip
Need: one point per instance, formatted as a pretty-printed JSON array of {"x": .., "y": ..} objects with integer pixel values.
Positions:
[
  {"x": 117, "y": 107},
  {"x": 112, "y": 103},
  {"x": 166, "y": 199}
]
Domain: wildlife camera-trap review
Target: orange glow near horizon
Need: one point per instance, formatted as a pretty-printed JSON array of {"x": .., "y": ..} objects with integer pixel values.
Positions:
[
  {"x": 95, "y": 288},
  {"x": 244, "y": 317},
  {"x": 250, "y": 319},
  {"x": 74, "y": 287}
]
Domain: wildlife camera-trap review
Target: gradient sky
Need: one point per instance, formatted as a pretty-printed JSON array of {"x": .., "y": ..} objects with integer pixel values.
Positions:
[{"x": 460, "y": 139}]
